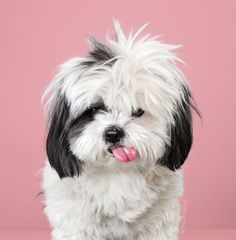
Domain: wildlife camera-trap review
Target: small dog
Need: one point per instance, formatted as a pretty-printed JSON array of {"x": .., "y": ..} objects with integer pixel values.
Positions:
[{"x": 119, "y": 129}]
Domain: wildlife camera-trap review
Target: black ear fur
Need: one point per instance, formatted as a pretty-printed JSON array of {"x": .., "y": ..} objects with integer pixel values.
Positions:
[
  {"x": 58, "y": 149},
  {"x": 180, "y": 134}
]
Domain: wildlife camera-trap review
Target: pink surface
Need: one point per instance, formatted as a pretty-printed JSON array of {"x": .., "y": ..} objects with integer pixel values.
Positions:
[
  {"x": 38, "y": 35},
  {"x": 212, "y": 234}
]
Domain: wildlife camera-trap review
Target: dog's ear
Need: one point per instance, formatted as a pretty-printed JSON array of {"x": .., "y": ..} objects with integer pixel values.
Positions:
[
  {"x": 180, "y": 134},
  {"x": 58, "y": 149}
]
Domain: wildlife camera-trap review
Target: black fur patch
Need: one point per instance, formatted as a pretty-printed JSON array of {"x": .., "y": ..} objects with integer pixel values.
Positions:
[
  {"x": 78, "y": 124},
  {"x": 58, "y": 149},
  {"x": 181, "y": 135},
  {"x": 99, "y": 54}
]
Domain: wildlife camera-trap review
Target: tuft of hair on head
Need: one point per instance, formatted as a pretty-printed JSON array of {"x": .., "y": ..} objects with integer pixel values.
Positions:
[{"x": 99, "y": 54}]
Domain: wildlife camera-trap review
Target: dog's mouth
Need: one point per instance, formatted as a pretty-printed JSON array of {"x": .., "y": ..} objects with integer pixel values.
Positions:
[{"x": 123, "y": 153}]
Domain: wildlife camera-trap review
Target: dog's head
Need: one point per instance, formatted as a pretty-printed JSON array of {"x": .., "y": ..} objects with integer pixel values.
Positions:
[{"x": 125, "y": 102}]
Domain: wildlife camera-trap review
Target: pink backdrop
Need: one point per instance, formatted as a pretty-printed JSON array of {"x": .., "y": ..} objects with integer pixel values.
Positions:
[{"x": 38, "y": 35}]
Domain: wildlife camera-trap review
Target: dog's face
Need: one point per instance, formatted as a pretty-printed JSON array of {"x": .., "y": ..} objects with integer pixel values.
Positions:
[{"x": 124, "y": 105}]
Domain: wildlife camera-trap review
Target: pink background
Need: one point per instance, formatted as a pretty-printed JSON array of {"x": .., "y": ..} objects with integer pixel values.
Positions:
[{"x": 36, "y": 36}]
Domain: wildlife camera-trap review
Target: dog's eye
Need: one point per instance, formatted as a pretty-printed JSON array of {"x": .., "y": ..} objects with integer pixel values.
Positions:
[
  {"x": 93, "y": 110},
  {"x": 138, "y": 113}
]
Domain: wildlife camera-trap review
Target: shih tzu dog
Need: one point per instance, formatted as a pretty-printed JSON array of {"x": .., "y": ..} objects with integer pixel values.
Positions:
[{"x": 119, "y": 130}]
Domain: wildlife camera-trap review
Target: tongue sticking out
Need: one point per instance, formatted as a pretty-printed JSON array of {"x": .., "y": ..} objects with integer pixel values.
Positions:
[{"x": 124, "y": 154}]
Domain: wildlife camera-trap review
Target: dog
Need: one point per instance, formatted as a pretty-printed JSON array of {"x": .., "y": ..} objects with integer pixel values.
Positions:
[{"x": 119, "y": 130}]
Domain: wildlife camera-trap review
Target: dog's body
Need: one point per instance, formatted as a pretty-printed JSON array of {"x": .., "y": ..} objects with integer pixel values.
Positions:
[
  {"x": 104, "y": 205},
  {"x": 119, "y": 130}
]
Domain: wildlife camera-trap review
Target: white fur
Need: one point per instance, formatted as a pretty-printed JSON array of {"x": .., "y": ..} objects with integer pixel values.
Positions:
[
  {"x": 112, "y": 200},
  {"x": 101, "y": 204}
]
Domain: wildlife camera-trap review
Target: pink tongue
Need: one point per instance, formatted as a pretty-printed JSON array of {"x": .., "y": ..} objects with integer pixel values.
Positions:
[{"x": 124, "y": 154}]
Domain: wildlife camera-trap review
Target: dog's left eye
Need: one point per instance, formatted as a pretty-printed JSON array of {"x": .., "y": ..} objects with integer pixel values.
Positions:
[{"x": 138, "y": 113}]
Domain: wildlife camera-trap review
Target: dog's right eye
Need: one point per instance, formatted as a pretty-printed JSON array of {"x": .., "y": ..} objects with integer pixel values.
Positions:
[{"x": 93, "y": 110}]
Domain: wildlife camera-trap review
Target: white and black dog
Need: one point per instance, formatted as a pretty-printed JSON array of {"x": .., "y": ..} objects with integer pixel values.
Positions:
[{"x": 119, "y": 129}]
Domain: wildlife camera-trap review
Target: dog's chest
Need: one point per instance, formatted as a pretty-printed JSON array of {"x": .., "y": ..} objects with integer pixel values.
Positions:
[
  {"x": 108, "y": 206},
  {"x": 113, "y": 202},
  {"x": 123, "y": 196}
]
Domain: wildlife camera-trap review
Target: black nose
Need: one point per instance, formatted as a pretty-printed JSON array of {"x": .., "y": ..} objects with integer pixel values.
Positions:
[{"x": 113, "y": 134}]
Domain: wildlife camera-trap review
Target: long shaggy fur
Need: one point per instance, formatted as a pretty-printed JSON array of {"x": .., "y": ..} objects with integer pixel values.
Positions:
[{"x": 131, "y": 83}]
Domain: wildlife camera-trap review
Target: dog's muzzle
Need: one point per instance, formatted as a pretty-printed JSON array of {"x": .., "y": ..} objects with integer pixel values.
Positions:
[{"x": 113, "y": 136}]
